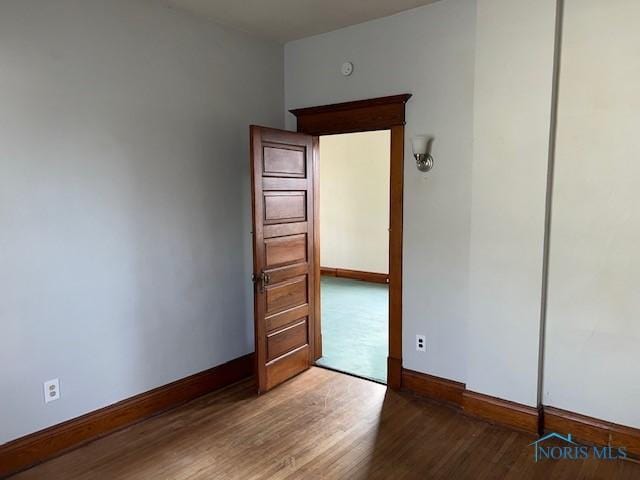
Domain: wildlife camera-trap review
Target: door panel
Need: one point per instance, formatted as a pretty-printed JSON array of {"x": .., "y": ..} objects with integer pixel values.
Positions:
[
  {"x": 281, "y": 207},
  {"x": 287, "y": 339},
  {"x": 283, "y": 229},
  {"x": 280, "y": 274},
  {"x": 284, "y": 162},
  {"x": 288, "y": 294},
  {"x": 282, "y": 166},
  {"x": 287, "y": 249},
  {"x": 282, "y": 319},
  {"x": 285, "y": 367}
]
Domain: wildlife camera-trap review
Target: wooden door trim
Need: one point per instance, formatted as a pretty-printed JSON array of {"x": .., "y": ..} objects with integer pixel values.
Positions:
[
  {"x": 317, "y": 331},
  {"x": 385, "y": 113},
  {"x": 350, "y": 117}
]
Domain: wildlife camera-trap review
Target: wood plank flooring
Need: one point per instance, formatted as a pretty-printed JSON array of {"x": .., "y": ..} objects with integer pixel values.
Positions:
[{"x": 320, "y": 425}]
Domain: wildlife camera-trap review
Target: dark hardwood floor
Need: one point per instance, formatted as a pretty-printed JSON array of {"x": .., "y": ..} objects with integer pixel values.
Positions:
[{"x": 320, "y": 425}]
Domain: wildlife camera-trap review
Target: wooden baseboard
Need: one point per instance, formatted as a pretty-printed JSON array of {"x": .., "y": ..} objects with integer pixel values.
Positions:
[
  {"x": 355, "y": 274},
  {"x": 394, "y": 373},
  {"x": 436, "y": 388},
  {"x": 491, "y": 409},
  {"x": 37, "y": 447},
  {"x": 592, "y": 430},
  {"x": 522, "y": 417},
  {"x": 501, "y": 412}
]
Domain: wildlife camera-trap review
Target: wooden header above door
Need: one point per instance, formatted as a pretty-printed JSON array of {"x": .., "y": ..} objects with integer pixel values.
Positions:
[
  {"x": 363, "y": 116},
  {"x": 349, "y": 117}
]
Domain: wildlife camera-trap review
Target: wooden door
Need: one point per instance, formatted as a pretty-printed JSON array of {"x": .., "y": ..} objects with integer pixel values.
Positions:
[{"x": 282, "y": 167}]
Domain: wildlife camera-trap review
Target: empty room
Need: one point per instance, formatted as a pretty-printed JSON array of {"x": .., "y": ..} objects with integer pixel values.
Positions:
[
  {"x": 354, "y": 252},
  {"x": 283, "y": 239}
]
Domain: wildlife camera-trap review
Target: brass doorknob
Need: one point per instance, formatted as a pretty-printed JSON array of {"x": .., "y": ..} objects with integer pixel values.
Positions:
[{"x": 263, "y": 279}]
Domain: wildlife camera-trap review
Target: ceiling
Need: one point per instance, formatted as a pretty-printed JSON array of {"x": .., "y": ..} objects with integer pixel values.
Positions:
[{"x": 285, "y": 20}]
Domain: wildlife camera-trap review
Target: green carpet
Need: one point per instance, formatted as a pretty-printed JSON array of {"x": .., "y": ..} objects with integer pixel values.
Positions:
[{"x": 355, "y": 318}]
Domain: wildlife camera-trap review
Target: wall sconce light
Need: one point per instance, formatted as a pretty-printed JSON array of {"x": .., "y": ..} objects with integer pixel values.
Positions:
[{"x": 424, "y": 160}]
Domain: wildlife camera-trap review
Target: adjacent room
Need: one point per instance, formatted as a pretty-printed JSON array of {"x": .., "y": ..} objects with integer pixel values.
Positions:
[
  {"x": 354, "y": 252},
  {"x": 320, "y": 239}
]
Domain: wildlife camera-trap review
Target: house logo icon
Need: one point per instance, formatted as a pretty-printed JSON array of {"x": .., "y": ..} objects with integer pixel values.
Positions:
[
  {"x": 564, "y": 448},
  {"x": 538, "y": 443}
]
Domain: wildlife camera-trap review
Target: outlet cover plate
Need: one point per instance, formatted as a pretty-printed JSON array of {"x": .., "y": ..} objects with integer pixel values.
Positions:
[{"x": 51, "y": 390}]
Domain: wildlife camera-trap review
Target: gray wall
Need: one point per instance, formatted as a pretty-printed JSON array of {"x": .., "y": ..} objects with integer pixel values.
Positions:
[
  {"x": 512, "y": 114},
  {"x": 481, "y": 75},
  {"x": 593, "y": 329},
  {"x": 428, "y": 51},
  {"x": 124, "y": 202}
]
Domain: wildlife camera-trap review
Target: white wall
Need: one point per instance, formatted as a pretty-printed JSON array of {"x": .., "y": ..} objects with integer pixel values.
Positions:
[
  {"x": 124, "y": 202},
  {"x": 512, "y": 111},
  {"x": 593, "y": 329},
  {"x": 429, "y": 52},
  {"x": 354, "y": 201}
]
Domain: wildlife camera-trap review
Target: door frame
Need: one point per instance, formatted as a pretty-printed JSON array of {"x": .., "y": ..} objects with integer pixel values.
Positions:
[{"x": 384, "y": 113}]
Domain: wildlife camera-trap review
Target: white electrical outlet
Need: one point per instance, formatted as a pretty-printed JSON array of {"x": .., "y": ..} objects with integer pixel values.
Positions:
[
  {"x": 421, "y": 343},
  {"x": 51, "y": 390}
]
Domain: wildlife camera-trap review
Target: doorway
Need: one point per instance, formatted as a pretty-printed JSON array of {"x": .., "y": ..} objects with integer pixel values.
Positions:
[
  {"x": 354, "y": 252},
  {"x": 383, "y": 113},
  {"x": 286, "y": 240}
]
